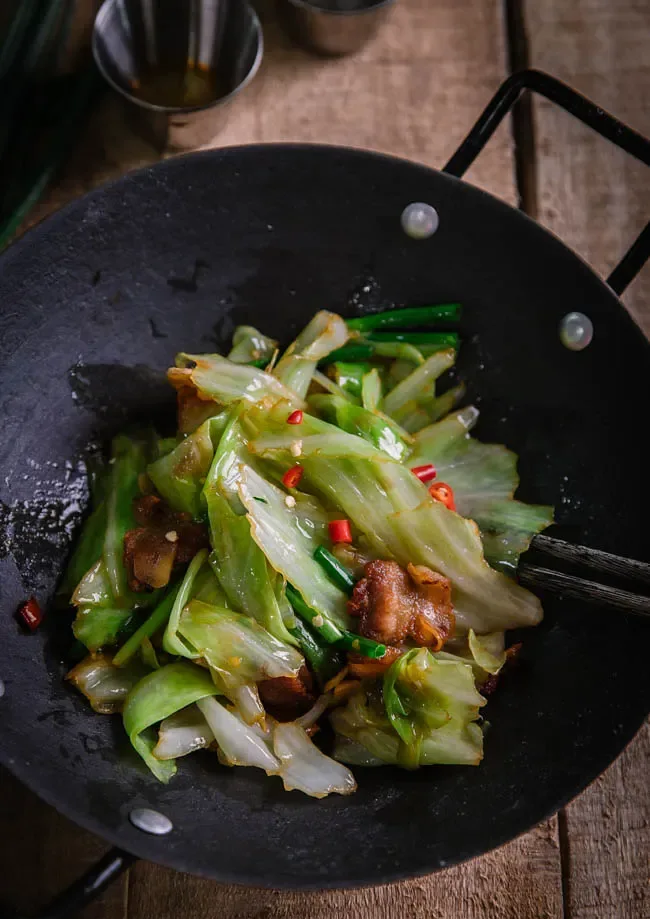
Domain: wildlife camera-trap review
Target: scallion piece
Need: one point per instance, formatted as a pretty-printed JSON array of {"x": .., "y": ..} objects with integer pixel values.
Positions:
[
  {"x": 355, "y": 352},
  {"x": 324, "y": 659},
  {"x": 349, "y": 375},
  {"x": 361, "y": 645},
  {"x": 440, "y": 339},
  {"x": 325, "y": 627},
  {"x": 337, "y": 572},
  {"x": 155, "y": 621},
  {"x": 406, "y": 318}
]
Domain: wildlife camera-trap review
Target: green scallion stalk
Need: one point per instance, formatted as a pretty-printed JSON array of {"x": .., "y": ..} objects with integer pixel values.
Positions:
[
  {"x": 337, "y": 572},
  {"x": 361, "y": 645},
  {"x": 349, "y": 375},
  {"x": 352, "y": 353},
  {"x": 324, "y": 659},
  {"x": 406, "y": 318},
  {"x": 155, "y": 621},
  {"x": 261, "y": 363},
  {"x": 328, "y": 631},
  {"x": 440, "y": 339}
]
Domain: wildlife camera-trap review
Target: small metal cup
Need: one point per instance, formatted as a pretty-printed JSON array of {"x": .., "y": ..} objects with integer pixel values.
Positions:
[
  {"x": 335, "y": 27},
  {"x": 178, "y": 63}
]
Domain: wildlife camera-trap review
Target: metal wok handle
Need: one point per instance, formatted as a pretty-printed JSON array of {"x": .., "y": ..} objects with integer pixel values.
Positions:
[
  {"x": 82, "y": 891},
  {"x": 579, "y": 106}
]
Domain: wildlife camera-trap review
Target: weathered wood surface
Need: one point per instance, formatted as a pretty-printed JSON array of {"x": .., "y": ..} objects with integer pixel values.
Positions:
[
  {"x": 597, "y": 198},
  {"x": 414, "y": 92},
  {"x": 592, "y": 195}
]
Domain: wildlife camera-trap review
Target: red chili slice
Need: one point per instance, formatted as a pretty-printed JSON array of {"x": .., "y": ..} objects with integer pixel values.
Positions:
[
  {"x": 31, "y": 614},
  {"x": 295, "y": 417},
  {"x": 292, "y": 476},
  {"x": 425, "y": 473},
  {"x": 444, "y": 494},
  {"x": 340, "y": 531}
]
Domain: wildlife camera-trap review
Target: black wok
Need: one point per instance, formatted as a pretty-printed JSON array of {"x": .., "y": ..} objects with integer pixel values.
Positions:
[{"x": 96, "y": 300}]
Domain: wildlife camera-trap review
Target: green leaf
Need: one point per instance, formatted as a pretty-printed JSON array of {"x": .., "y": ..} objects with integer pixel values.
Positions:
[
  {"x": 180, "y": 475},
  {"x": 429, "y": 718},
  {"x": 128, "y": 460},
  {"x": 99, "y": 627},
  {"x": 324, "y": 333},
  {"x": 238, "y": 562},
  {"x": 289, "y": 546},
  {"x": 394, "y": 511},
  {"x": 379, "y": 430},
  {"x": 484, "y": 479},
  {"x": 248, "y": 344},
  {"x": 172, "y": 642},
  {"x": 215, "y": 377},
  {"x": 156, "y": 697}
]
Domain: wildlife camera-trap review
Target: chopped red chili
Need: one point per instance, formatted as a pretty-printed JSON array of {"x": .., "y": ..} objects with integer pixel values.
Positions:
[
  {"x": 426, "y": 473},
  {"x": 292, "y": 476},
  {"x": 295, "y": 417},
  {"x": 30, "y": 614},
  {"x": 444, "y": 494},
  {"x": 340, "y": 531}
]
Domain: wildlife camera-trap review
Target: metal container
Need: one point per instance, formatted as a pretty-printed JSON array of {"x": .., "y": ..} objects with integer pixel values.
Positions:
[
  {"x": 335, "y": 27},
  {"x": 178, "y": 63}
]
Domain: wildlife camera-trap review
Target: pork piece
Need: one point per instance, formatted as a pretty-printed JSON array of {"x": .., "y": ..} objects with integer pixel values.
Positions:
[
  {"x": 394, "y": 604},
  {"x": 164, "y": 540},
  {"x": 286, "y": 698}
]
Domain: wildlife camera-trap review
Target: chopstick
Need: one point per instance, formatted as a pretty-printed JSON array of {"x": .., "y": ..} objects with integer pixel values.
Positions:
[
  {"x": 581, "y": 589},
  {"x": 605, "y": 562}
]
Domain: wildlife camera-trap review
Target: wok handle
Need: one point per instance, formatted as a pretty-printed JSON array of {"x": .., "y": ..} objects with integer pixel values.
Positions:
[
  {"x": 594, "y": 117},
  {"x": 82, "y": 891}
]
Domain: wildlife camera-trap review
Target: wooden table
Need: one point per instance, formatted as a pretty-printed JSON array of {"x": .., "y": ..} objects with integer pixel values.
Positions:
[{"x": 414, "y": 92}]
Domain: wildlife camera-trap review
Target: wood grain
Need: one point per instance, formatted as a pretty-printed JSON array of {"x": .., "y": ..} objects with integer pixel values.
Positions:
[
  {"x": 606, "y": 837},
  {"x": 414, "y": 92},
  {"x": 596, "y": 198},
  {"x": 592, "y": 195},
  {"x": 486, "y": 888}
]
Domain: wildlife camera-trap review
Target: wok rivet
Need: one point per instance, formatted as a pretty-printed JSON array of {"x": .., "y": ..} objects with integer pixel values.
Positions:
[
  {"x": 2, "y": 689},
  {"x": 576, "y": 331},
  {"x": 150, "y": 821},
  {"x": 420, "y": 220}
]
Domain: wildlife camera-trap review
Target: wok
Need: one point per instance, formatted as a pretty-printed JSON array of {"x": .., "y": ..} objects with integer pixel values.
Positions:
[{"x": 95, "y": 302}]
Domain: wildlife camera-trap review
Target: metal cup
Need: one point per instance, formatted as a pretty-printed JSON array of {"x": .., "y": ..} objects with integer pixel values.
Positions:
[
  {"x": 178, "y": 62},
  {"x": 335, "y": 27}
]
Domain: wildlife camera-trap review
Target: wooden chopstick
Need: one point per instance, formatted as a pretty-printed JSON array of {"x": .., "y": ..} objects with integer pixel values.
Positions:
[
  {"x": 580, "y": 589},
  {"x": 604, "y": 562}
]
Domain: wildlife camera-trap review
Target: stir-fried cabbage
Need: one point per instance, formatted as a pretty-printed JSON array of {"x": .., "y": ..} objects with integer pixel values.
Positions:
[
  {"x": 239, "y": 652},
  {"x": 288, "y": 546},
  {"x": 249, "y": 344},
  {"x": 215, "y": 377},
  {"x": 301, "y": 472},
  {"x": 156, "y": 697},
  {"x": 484, "y": 479},
  {"x": 400, "y": 520},
  {"x": 320, "y": 337},
  {"x": 239, "y": 563},
  {"x": 427, "y": 715},
  {"x": 179, "y": 476},
  {"x": 103, "y": 684},
  {"x": 280, "y": 749},
  {"x": 183, "y": 733}
]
